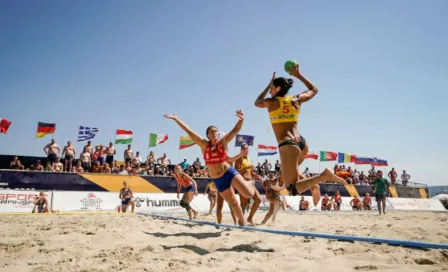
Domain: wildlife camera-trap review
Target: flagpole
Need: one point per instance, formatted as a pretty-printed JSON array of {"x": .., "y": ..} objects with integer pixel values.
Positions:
[{"x": 35, "y": 140}]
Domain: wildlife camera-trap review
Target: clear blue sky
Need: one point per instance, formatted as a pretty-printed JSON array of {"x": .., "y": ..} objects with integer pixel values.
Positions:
[{"x": 381, "y": 68}]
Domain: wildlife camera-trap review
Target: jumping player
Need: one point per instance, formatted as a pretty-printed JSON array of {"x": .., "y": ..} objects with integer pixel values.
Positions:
[{"x": 284, "y": 116}]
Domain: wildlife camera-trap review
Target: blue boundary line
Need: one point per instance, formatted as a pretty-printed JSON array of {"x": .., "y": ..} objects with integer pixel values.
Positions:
[{"x": 404, "y": 243}]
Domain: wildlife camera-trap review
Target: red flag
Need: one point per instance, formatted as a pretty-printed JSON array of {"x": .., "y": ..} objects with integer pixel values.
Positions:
[{"x": 4, "y": 125}]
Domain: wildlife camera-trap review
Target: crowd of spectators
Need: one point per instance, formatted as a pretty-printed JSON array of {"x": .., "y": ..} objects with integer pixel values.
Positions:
[{"x": 102, "y": 159}]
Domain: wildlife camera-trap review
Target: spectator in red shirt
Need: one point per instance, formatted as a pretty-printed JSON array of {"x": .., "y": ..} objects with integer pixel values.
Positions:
[{"x": 393, "y": 175}]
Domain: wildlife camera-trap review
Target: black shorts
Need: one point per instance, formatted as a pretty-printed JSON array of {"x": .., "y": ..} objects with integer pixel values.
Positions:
[
  {"x": 68, "y": 157},
  {"x": 52, "y": 158},
  {"x": 109, "y": 160},
  {"x": 299, "y": 141},
  {"x": 380, "y": 197},
  {"x": 128, "y": 160}
]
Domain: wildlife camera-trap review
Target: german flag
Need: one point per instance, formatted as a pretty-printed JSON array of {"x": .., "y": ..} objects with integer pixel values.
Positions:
[{"x": 44, "y": 129}]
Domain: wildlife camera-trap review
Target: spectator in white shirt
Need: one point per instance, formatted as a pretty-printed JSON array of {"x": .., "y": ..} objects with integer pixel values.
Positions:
[{"x": 405, "y": 178}]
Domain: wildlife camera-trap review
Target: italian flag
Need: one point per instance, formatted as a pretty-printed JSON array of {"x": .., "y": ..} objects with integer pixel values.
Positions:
[
  {"x": 185, "y": 142},
  {"x": 123, "y": 136},
  {"x": 156, "y": 139}
]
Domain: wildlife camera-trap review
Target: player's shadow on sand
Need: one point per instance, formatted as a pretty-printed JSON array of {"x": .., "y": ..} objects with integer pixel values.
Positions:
[
  {"x": 237, "y": 248},
  {"x": 202, "y": 235}
]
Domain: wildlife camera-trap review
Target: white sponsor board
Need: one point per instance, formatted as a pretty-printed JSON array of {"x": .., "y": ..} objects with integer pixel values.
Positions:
[
  {"x": 16, "y": 201},
  {"x": 85, "y": 201},
  {"x": 109, "y": 201},
  {"x": 404, "y": 204},
  {"x": 429, "y": 204}
]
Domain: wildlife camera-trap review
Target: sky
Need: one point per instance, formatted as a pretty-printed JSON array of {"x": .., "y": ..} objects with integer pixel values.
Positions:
[{"x": 380, "y": 67}]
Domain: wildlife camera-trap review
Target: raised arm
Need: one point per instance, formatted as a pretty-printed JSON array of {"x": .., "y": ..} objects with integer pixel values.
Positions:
[
  {"x": 193, "y": 135},
  {"x": 261, "y": 102},
  {"x": 229, "y": 136},
  {"x": 308, "y": 94}
]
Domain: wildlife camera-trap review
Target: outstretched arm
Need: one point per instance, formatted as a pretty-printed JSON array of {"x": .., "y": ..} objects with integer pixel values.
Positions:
[
  {"x": 193, "y": 135},
  {"x": 308, "y": 94},
  {"x": 229, "y": 136},
  {"x": 261, "y": 102}
]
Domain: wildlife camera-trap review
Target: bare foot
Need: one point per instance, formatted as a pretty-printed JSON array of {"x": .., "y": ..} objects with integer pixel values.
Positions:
[
  {"x": 329, "y": 176},
  {"x": 315, "y": 192},
  {"x": 195, "y": 214},
  {"x": 242, "y": 223},
  {"x": 250, "y": 220}
]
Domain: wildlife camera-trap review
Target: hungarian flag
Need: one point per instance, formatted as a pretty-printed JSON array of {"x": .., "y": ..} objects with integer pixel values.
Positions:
[
  {"x": 185, "y": 142},
  {"x": 328, "y": 156},
  {"x": 312, "y": 155},
  {"x": 4, "y": 125},
  {"x": 123, "y": 136},
  {"x": 44, "y": 129},
  {"x": 156, "y": 139}
]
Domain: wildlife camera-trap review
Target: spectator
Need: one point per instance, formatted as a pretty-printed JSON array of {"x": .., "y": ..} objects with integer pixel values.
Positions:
[
  {"x": 58, "y": 166},
  {"x": 86, "y": 160},
  {"x": 151, "y": 158},
  {"x": 128, "y": 156},
  {"x": 137, "y": 159},
  {"x": 106, "y": 168},
  {"x": 405, "y": 178},
  {"x": 335, "y": 169},
  {"x": 277, "y": 166},
  {"x": 362, "y": 178},
  {"x": 197, "y": 165},
  {"x": 304, "y": 205},
  {"x": 69, "y": 153},
  {"x": 122, "y": 170},
  {"x": 19, "y": 166},
  {"x": 356, "y": 177},
  {"x": 393, "y": 176},
  {"x": 13, "y": 164},
  {"x": 114, "y": 168},
  {"x": 306, "y": 173},
  {"x": 96, "y": 168},
  {"x": 78, "y": 168},
  {"x": 88, "y": 148},
  {"x": 52, "y": 150},
  {"x": 164, "y": 161},
  {"x": 110, "y": 152},
  {"x": 356, "y": 203},
  {"x": 184, "y": 164},
  {"x": 266, "y": 166},
  {"x": 259, "y": 169},
  {"x": 37, "y": 166}
]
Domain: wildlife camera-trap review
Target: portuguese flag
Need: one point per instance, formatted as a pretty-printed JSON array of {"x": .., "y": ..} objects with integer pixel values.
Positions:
[
  {"x": 185, "y": 142},
  {"x": 123, "y": 136},
  {"x": 44, "y": 129},
  {"x": 328, "y": 156}
]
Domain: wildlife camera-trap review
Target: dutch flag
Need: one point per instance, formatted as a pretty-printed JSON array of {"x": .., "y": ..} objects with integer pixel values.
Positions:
[{"x": 267, "y": 150}]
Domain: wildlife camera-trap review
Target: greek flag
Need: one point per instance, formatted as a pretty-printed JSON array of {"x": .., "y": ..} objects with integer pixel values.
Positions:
[{"x": 86, "y": 133}]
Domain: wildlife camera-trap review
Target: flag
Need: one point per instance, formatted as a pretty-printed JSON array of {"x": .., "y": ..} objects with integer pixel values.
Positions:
[
  {"x": 4, "y": 125},
  {"x": 312, "y": 155},
  {"x": 378, "y": 162},
  {"x": 44, "y": 129},
  {"x": 328, "y": 156},
  {"x": 244, "y": 139},
  {"x": 363, "y": 160},
  {"x": 86, "y": 133},
  {"x": 185, "y": 142},
  {"x": 267, "y": 150},
  {"x": 346, "y": 158},
  {"x": 123, "y": 136},
  {"x": 156, "y": 139}
]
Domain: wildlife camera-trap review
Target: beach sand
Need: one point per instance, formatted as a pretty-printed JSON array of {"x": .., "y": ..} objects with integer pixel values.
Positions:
[{"x": 126, "y": 242}]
